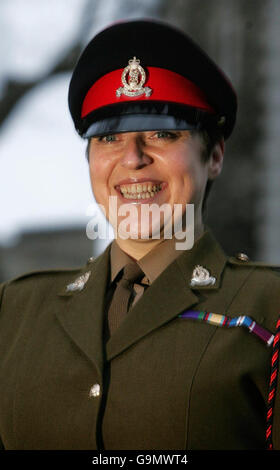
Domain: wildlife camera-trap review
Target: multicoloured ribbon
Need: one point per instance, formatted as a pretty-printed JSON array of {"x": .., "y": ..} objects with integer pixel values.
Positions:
[
  {"x": 222, "y": 320},
  {"x": 264, "y": 335}
]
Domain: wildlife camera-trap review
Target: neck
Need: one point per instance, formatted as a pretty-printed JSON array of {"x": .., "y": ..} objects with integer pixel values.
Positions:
[{"x": 137, "y": 249}]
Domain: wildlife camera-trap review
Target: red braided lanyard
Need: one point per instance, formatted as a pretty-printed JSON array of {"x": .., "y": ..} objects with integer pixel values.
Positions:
[{"x": 272, "y": 386}]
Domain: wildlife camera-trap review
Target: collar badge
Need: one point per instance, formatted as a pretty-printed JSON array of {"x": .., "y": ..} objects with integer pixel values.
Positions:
[
  {"x": 201, "y": 277},
  {"x": 133, "y": 79},
  {"x": 79, "y": 283}
]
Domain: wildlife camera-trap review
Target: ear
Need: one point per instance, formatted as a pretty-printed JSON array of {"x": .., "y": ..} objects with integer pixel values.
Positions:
[{"x": 215, "y": 163}]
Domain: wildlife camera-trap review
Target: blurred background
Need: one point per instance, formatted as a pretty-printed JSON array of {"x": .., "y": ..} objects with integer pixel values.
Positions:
[{"x": 46, "y": 200}]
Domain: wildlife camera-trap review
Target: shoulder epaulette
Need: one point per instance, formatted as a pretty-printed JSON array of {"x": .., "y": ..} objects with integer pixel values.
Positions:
[
  {"x": 42, "y": 272},
  {"x": 241, "y": 259}
]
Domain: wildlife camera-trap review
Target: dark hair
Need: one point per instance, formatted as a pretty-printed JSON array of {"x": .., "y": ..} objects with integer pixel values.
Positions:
[
  {"x": 209, "y": 139},
  {"x": 87, "y": 149}
]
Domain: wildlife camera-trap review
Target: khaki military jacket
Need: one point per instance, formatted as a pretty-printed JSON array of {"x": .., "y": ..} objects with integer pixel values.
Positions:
[{"x": 161, "y": 382}]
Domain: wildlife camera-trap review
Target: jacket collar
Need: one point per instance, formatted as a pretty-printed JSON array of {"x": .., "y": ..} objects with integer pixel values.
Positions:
[
  {"x": 81, "y": 313},
  {"x": 208, "y": 254},
  {"x": 172, "y": 292}
]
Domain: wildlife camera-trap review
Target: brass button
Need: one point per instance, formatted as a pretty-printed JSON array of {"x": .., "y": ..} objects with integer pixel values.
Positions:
[
  {"x": 242, "y": 257},
  {"x": 94, "y": 391}
]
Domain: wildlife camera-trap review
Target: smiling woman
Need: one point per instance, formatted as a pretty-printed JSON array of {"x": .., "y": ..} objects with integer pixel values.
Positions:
[
  {"x": 148, "y": 346},
  {"x": 152, "y": 167}
]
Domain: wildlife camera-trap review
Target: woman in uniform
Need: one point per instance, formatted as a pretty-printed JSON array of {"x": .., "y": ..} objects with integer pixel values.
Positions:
[{"x": 159, "y": 343}]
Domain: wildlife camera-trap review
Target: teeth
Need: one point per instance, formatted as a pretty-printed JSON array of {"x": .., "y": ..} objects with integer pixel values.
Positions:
[{"x": 140, "y": 191}]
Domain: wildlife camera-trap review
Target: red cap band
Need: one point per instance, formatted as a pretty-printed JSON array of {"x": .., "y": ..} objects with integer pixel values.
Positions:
[{"x": 166, "y": 86}]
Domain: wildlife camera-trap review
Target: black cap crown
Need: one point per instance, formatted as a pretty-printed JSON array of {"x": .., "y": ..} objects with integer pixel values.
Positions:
[{"x": 188, "y": 90}]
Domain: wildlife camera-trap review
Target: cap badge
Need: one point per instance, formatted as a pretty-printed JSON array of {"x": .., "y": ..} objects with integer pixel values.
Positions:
[
  {"x": 133, "y": 79},
  {"x": 79, "y": 283},
  {"x": 201, "y": 277}
]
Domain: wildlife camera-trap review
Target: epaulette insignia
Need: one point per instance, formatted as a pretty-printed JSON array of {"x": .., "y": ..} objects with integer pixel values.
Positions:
[{"x": 229, "y": 322}]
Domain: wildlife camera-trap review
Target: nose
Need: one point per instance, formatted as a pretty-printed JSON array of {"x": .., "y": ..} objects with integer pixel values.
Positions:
[{"x": 134, "y": 156}]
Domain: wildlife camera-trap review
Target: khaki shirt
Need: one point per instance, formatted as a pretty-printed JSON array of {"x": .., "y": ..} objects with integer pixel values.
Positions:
[{"x": 152, "y": 264}]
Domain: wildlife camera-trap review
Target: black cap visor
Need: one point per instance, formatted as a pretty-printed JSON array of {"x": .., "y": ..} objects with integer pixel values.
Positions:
[
  {"x": 137, "y": 123},
  {"x": 140, "y": 117}
]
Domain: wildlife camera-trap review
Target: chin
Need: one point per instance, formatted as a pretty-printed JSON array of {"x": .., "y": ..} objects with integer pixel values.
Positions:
[
  {"x": 135, "y": 233},
  {"x": 144, "y": 224}
]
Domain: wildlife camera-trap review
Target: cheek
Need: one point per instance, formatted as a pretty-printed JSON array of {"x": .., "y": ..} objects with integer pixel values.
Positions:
[
  {"x": 188, "y": 175},
  {"x": 99, "y": 170},
  {"x": 182, "y": 171},
  {"x": 99, "y": 174}
]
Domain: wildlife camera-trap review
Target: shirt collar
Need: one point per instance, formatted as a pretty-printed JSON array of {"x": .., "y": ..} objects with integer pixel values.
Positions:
[
  {"x": 118, "y": 260},
  {"x": 152, "y": 264}
]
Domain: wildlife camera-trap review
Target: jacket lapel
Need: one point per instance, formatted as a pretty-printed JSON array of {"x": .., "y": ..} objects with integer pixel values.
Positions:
[
  {"x": 81, "y": 312},
  {"x": 158, "y": 305},
  {"x": 169, "y": 295}
]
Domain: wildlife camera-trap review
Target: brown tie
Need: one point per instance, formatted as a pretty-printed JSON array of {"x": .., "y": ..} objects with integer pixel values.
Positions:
[{"x": 120, "y": 302}]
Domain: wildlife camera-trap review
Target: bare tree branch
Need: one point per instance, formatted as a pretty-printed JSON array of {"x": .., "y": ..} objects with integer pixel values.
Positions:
[{"x": 15, "y": 90}]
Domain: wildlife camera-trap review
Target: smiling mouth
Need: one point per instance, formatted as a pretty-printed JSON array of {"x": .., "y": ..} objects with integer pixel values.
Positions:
[{"x": 146, "y": 190}]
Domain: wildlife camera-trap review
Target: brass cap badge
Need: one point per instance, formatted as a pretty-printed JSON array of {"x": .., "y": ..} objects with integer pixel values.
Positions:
[{"x": 133, "y": 79}]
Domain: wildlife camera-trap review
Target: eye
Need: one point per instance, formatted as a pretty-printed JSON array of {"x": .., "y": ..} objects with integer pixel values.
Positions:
[
  {"x": 165, "y": 135},
  {"x": 107, "y": 138}
]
